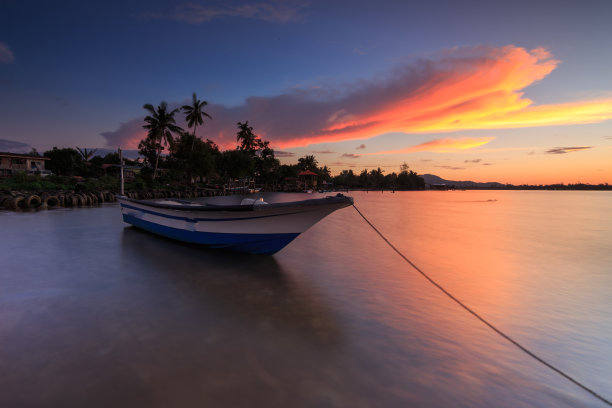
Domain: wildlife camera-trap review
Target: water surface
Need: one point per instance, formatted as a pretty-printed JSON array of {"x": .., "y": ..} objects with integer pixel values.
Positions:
[{"x": 96, "y": 313}]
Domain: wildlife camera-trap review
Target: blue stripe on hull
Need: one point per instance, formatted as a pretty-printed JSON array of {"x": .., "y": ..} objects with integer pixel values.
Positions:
[{"x": 250, "y": 243}]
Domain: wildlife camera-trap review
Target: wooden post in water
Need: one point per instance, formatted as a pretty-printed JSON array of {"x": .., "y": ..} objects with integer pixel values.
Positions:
[{"x": 121, "y": 170}]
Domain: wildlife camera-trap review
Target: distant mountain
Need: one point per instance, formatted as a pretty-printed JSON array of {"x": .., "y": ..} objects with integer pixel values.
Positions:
[
  {"x": 11, "y": 146},
  {"x": 128, "y": 154},
  {"x": 433, "y": 179}
]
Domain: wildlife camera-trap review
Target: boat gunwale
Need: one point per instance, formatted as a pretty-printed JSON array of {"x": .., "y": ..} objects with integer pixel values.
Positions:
[{"x": 338, "y": 199}]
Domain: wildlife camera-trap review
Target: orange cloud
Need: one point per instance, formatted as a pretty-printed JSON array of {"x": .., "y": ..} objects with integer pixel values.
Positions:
[
  {"x": 461, "y": 89},
  {"x": 439, "y": 145},
  {"x": 482, "y": 92}
]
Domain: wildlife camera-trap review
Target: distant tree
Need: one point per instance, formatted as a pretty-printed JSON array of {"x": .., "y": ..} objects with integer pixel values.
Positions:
[
  {"x": 409, "y": 179},
  {"x": 192, "y": 157},
  {"x": 390, "y": 180},
  {"x": 325, "y": 173},
  {"x": 34, "y": 152},
  {"x": 249, "y": 142},
  {"x": 64, "y": 162},
  {"x": 236, "y": 164},
  {"x": 266, "y": 165},
  {"x": 147, "y": 148},
  {"x": 160, "y": 125},
  {"x": 112, "y": 158},
  {"x": 308, "y": 163},
  {"x": 262, "y": 162},
  {"x": 195, "y": 115},
  {"x": 288, "y": 171},
  {"x": 364, "y": 179},
  {"x": 376, "y": 178},
  {"x": 346, "y": 178}
]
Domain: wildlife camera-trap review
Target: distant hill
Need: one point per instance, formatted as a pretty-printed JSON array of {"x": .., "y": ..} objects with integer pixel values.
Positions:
[
  {"x": 11, "y": 146},
  {"x": 128, "y": 154},
  {"x": 433, "y": 179}
]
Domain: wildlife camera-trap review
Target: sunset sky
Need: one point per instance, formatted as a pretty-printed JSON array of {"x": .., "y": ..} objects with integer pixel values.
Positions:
[{"x": 515, "y": 92}]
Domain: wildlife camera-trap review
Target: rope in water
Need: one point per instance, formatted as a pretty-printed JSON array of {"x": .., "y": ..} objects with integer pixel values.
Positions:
[{"x": 482, "y": 319}]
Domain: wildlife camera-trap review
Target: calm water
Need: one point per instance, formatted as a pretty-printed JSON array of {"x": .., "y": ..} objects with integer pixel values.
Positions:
[{"x": 94, "y": 313}]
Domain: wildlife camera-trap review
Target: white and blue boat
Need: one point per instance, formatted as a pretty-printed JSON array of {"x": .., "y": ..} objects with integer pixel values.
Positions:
[{"x": 248, "y": 225}]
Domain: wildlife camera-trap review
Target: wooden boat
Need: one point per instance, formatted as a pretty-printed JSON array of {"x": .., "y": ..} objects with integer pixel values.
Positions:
[{"x": 249, "y": 225}]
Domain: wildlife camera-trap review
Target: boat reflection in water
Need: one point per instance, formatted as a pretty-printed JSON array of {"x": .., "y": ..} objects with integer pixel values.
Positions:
[
  {"x": 225, "y": 329},
  {"x": 245, "y": 287}
]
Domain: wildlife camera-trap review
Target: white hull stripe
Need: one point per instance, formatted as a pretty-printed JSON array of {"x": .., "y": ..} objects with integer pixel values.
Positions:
[{"x": 195, "y": 219}]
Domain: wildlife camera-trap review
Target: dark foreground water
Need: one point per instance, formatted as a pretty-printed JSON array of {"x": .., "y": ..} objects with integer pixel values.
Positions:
[{"x": 94, "y": 313}]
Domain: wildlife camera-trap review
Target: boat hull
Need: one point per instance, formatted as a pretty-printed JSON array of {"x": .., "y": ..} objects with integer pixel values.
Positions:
[{"x": 257, "y": 229}]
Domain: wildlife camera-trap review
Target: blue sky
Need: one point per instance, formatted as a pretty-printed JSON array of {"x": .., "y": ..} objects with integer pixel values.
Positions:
[{"x": 73, "y": 71}]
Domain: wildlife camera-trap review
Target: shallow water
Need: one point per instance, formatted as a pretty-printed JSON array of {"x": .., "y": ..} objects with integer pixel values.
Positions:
[{"x": 96, "y": 313}]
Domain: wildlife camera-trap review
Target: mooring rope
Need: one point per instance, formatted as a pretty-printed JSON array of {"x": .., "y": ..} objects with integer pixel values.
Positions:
[{"x": 482, "y": 319}]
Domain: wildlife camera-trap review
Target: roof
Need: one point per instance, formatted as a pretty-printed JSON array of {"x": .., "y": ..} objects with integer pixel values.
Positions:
[
  {"x": 23, "y": 156},
  {"x": 307, "y": 173}
]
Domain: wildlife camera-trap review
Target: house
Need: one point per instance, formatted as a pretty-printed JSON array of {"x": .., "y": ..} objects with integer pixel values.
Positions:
[{"x": 12, "y": 163}]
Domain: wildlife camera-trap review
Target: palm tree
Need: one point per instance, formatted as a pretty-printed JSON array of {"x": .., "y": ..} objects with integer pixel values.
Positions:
[
  {"x": 86, "y": 154},
  {"x": 308, "y": 163},
  {"x": 195, "y": 115},
  {"x": 161, "y": 125},
  {"x": 249, "y": 142}
]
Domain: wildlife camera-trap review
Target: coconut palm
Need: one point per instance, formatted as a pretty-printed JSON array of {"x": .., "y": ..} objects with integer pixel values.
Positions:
[
  {"x": 195, "y": 115},
  {"x": 160, "y": 124},
  {"x": 86, "y": 154},
  {"x": 249, "y": 142},
  {"x": 308, "y": 163}
]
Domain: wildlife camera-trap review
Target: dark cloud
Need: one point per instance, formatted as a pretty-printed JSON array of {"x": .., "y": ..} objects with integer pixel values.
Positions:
[
  {"x": 563, "y": 150},
  {"x": 323, "y": 151},
  {"x": 531, "y": 153},
  {"x": 473, "y": 161},
  {"x": 280, "y": 153},
  {"x": 127, "y": 136},
  {"x": 271, "y": 11},
  {"x": 451, "y": 167},
  {"x": 487, "y": 164},
  {"x": 10, "y": 146},
  {"x": 425, "y": 160},
  {"x": 360, "y": 147},
  {"x": 350, "y": 155}
]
